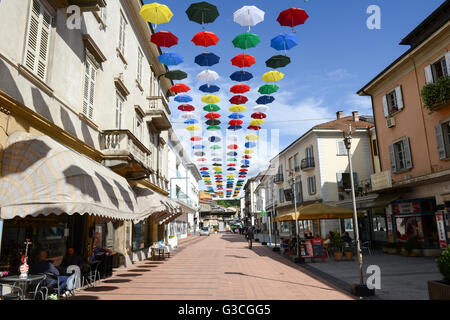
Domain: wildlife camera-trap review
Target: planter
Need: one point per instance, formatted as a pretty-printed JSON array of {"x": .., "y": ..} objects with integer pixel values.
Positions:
[
  {"x": 438, "y": 290},
  {"x": 338, "y": 256},
  {"x": 439, "y": 106},
  {"x": 348, "y": 255}
]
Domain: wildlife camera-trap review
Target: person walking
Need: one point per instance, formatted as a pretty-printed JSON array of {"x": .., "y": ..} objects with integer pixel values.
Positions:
[{"x": 250, "y": 237}]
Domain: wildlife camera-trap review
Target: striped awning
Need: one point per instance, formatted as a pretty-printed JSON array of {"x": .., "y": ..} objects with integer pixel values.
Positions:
[
  {"x": 153, "y": 203},
  {"x": 41, "y": 177}
]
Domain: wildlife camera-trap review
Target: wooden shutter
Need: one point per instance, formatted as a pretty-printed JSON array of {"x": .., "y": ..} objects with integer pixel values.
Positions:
[
  {"x": 408, "y": 157},
  {"x": 385, "y": 107},
  {"x": 399, "y": 96},
  {"x": 393, "y": 158},
  {"x": 447, "y": 62},
  {"x": 122, "y": 34},
  {"x": 440, "y": 142},
  {"x": 139, "y": 70},
  {"x": 341, "y": 148},
  {"x": 428, "y": 74},
  {"x": 90, "y": 74}
]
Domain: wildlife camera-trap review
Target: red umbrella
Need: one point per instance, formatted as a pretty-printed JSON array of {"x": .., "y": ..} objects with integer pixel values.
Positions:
[
  {"x": 179, "y": 88},
  {"x": 232, "y": 165},
  {"x": 240, "y": 88},
  {"x": 259, "y": 115},
  {"x": 196, "y": 138},
  {"x": 238, "y": 100},
  {"x": 212, "y": 115},
  {"x": 164, "y": 39},
  {"x": 243, "y": 170},
  {"x": 256, "y": 128},
  {"x": 205, "y": 39},
  {"x": 242, "y": 176},
  {"x": 233, "y": 146},
  {"x": 243, "y": 60},
  {"x": 204, "y": 168},
  {"x": 292, "y": 17},
  {"x": 235, "y": 122},
  {"x": 218, "y": 176},
  {"x": 247, "y": 156},
  {"x": 186, "y": 107},
  {"x": 201, "y": 159}
]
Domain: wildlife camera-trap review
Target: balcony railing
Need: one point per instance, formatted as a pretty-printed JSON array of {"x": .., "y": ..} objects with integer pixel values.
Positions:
[
  {"x": 307, "y": 163},
  {"x": 157, "y": 113},
  {"x": 278, "y": 178},
  {"x": 362, "y": 189}
]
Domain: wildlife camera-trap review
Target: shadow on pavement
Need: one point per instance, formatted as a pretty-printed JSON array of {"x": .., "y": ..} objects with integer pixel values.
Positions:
[
  {"x": 129, "y": 275},
  {"x": 101, "y": 288},
  {"x": 234, "y": 256},
  {"x": 117, "y": 281},
  {"x": 84, "y": 298},
  {"x": 139, "y": 270}
]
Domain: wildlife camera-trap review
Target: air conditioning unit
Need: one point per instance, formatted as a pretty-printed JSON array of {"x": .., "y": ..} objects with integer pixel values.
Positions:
[{"x": 390, "y": 122}]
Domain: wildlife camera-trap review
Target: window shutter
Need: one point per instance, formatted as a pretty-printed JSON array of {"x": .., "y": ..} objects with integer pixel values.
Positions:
[
  {"x": 339, "y": 180},
  {"x": 398, "y": 93},
  {"x": 393, "y": 158},
  {"x": 89, "y": 89},
  {"x": 44, "y": 44},
  {"x": 440, "y": 142},
  {"x": 385, "y": 107},
  {"x": 92, "y": 92},
  {"x": 428, "y": 74},
  {"x": 355, "y": 179},
  {"x": 86, "y": 89},
  {"x": 341, "y": 147},
  {"x": 447, "y": 62},
  {"x": 408, "y": 158}
]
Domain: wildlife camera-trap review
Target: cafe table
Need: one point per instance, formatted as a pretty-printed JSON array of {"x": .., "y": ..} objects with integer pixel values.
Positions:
[{"x": 22, "y": 283}]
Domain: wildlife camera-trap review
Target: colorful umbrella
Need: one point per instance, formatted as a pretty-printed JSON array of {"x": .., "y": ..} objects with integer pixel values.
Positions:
[
  {"x": 247, "y": 157},
  {"x": 202, "y": 12},
  {"x": 205, "y": 39},
  {"x": 188, "y": 115},
  {"x": 210, "y": 99},
  {"x": 211, "y": 108},
  {"x": 201, "y": 159},
  {"x": 285, "y": 41},
  {"x": 213, "y": 128},
  {"x": 238, "y": 99},
  {"x": 183, "y": 98},
  {"x": 156, "y": 13},
  {"x": 235, "y": 128},
  {"x": 259, "y": 115},
  {"x": 213, "y": 122},
  {"x": 208, "y": 75},
  {"x": 164, "y": 39},
  {"x": 170, "y": 59},
  {"x": 232, "y": 159},
  {"x": 272, "y": 76},
  {"x": 191, "y": 121},
  {"x": 231, "y": 169},
  {"x": 243, "y": 60},
  {"x": 268, "y": 89},
  {"x": 256, "y": 128},
  {"x": 199, "y": 154},
  {"x": 292, "y": 17},
  {"x": 235, "y": 122},
  {"x": 217, "y": 168},
  {"x": 180, "y": 88},
  {"x": 203, "y": 168},
  {"x": 245, "y": 162},
  {"x": 176, "y": 75},
  {"x": 236, "y": 116},
  {"x": 265, "y": 100},
  {"x": 248, "y": 16},
  {"x": 278, "y": 62},
  {"x": 256, "y": 122},
  {"x": 232, "y": 154},
  {"x": 251, "y": 137},
  {"x": 246, "y": 40},
  {"x": 214, "y": 139},
  {"x": 207, "y": 59},
  {"x": 233, "y": 147},
  {"x": 237, "y": 108},
  {"x": 196, "y": 138},
  {"x": 212, "y": 115},
  {"x": 216, "y": 159},
  {"x": 261, "y": 108},
  {"x": 231, "y": 165},
  {"x": 209, "y": 88},
  {"x": 241, "y": 76},
  {"x": 193, "y": 128},
  {"x": 239, "y": 88}
]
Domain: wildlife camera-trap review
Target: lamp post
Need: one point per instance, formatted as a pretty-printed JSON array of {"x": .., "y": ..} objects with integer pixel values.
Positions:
[{"x": 291, "y": 172}]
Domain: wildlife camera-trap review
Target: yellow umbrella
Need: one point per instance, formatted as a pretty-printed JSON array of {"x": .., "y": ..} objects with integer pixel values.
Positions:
[
  {"x": 238, "y": 108},
  {"x": 217, "y": 168},
  {"x": 230, "y": 176},
  {"x": 210, "y": 99},
  {"x": 156, "y": 13},
  {"x": 248, "y": 151},
  {"x": 252, "y": 137},
  {"x": 272, "y": 76},
  {"x": 193, "y": 128},
  {"x": 256, "y": 122}
]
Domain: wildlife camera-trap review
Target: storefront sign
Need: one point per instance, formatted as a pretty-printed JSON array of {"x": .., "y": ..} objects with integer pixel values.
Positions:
[
  {"x": 381, "y": 180},
  {"x": 441, "y": 230}
]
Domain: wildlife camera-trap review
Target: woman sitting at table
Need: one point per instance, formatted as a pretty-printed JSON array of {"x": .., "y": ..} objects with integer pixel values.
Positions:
[{"x": 347, "y": 239}]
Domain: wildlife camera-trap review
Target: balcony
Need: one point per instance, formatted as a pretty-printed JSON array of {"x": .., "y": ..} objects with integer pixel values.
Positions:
[
  {"x": 85, "y": 5},
  {"x": 278, "y": 178},
  {"x": 125, "y": 154},
  {"x": 157, "y": 114},
  {"x": 307, "y": 164},
  {"x": 362, "y": 189}
]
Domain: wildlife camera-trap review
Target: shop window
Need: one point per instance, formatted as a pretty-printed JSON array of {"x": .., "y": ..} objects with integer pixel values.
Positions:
[
  {"x": 409, "y": 227},
  {"x": 285, "y": 227},
  {"x": 140, "y": 236}
]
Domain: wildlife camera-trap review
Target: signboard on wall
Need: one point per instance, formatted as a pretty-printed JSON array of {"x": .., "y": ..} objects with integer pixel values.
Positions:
[
  {"x": 443, "y": 241},
  {"x": 381, "y": 180}
]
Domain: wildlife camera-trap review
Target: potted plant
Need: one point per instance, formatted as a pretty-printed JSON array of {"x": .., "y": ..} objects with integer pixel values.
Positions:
[
  {"x": 440, "y": 290},
  {"x": 412, "y": 248},
  {"x": 337, "y": 244},
  {"x": 436, "y": 95},
  {"x": 390, "y": 247},
  {"x": 348, "y": 252}
]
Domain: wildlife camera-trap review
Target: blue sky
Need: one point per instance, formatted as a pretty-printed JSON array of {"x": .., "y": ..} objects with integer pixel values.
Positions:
[{"x": 336, "y": 56}]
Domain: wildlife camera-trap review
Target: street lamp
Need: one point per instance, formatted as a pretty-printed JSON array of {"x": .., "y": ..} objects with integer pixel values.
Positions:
[{"x": 294, "y": 179}]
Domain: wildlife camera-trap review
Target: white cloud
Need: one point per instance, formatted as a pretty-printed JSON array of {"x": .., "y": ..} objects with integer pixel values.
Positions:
[{"x": 355, "y": 102}]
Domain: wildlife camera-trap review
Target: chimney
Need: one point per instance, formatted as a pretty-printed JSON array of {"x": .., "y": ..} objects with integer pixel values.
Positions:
[
  {"x": 355, "y": 116},
  {"x": 339, "y": 114}
]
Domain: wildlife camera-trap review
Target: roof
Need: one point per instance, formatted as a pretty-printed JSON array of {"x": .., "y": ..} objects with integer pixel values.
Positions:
[{"x": 343, "y": 122}]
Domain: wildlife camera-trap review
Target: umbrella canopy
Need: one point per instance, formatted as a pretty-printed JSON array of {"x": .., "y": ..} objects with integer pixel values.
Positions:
[
  {"x": 216, "y": 159},
  {"x": 316, "y": 211},
  {"x": 247, "y": 156},
  {"x": 199, "y": 154},
  {"x": 239, "y": 88},
  {"x": 193, "y": 128},
  {"x": 246, "y": 41},
  {"x": 210, "y": 99},
  {"x": 213, "y": 122},
  {"x": 245, "y": 162},
  {"x": 188, "y": 115},
  {"x": 232, "y": 154},
  {"x": 268, "y": 89},
  {"x": 231, "y": 169},
  {"x": 235, "y": 122},
  {"x": 259, "y": 115},
  {"x": 207, "y": 59},
  {"x": 156, "y": 13},
  {"x": 243, "y": 60},
  {"x": 292, "y": 17},
  {"x": 233, "y": 147},
  {"x": 238, "y": 99},
  {"x": 213, "y": 128},
  {"x": 278, "y": 62},
  {"x": 237, "y": 108},
  {"x": 250, "y": 144},
  {"x": 171, "y": 59},
  {"x": 164, "y": 39},
  {"x": 180, "y": 88},
  {"x": 255, "y": 128},
  {"x": 265, "y": 100},
  {"x": 234, "y": 128},
  {"x": 236, "y": 116},
  {"x": 256, "y": 122},
  {"x": 272, "y": 76},
  {"x": 191, "y": 121},
  {"x": 176, "y": 75},
  {"x": 209, "y": 88},
  {"x": 214, "y": 139},
  {"x": 241, "y": 76},
  {"x": 208, "y": 75},
  {"x": 202, "y": 12},
  {"x": 245, "y": 166},
  {"x": 186, "y": 107},
  {"x": 248, "y": 16},
  {"x": 261, "y": 108},
  {"x": 285, "y": 41},
  {"x": 231, "y": 165},
  {"x": 217, "y": 168},
  {"x": 248, "y": 151},
  {"x": 183, "y": 98},
  {"x": 232, "y": 159},
  {"x": 201, "y": 159},
  {"x": 203, "y": 168},
  {"x": 196, "y": 138},
  {"x": 252, "y": 137},
  {"x": 211, "y": 108},
  {"x": 205, "y": 39},
  {"x": 212, "y": 115}
]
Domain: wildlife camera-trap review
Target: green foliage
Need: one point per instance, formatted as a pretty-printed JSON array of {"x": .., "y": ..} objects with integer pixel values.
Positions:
[
  {"x": 444, "y": 264},
  {"x": 412, "y": 244},
  {"x": 348, "y": 250},
  {"x": 337, "y": 242},
  {"x": 229, "y": 203},
  {"x": 436, "y": 93}
]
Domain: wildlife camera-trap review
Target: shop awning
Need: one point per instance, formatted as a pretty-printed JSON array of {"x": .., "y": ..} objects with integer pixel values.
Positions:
[
  {"x": 41, "y": 177},
  {"x": 153, "y": 203},
  {"x": 315, "y": 211}
]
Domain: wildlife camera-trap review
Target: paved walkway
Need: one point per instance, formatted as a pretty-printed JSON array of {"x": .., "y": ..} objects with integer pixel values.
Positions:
[{"x": 218, "y": 267}]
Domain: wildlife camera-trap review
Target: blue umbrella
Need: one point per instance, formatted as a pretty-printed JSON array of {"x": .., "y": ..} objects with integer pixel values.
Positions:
[
  {"x": 265, "y": 100},
  {"x": 245, "y": 161},
  {"x": 235, "y": 128},
  {"x": 217, "y": 159},
  {"x": 284, "y": 41},
  {"x": 198, "y": 146},
  {"x": 191, "y": 121},
  {"x": 241, "y": 76},
  {"x": 204, "y": 172},
  {"x": 232, "y": 154},
  {"x": 183, "y": 98},
  {"x": 214, "y": 139},
  {"x": 170, "y": 59},
  {"x": 209, "y": 88},
  {"x": 231, "y": 169},
  {"x": 250, "y": 145},
  {"x": 236, "y": 116},
  {"x": 217, "y": 164},
  {"x": 207, "y": 59}
]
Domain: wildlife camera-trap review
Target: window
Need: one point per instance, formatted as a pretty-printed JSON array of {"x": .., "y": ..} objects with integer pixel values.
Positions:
[
  {"x": 90, "y": 74},
  {"x": 443, "y": 140},
  {"x": 312, "y": 185},
  {"x": 281, "y": 192},
  {"x": 309, "y": 152},
  {"x": 298, "y": 191},
  {"x": 154, "y": 85},
  {"x": 438, "y": 69},
  {"x": 119, "y": 103},
  {"x": 393, "y": 102},
  {"x": 38, "y": 39},
  {"x": 291, "y": 163},
  {"x": 400, "y": 153},
  {"x": 375, "y": 147},
  {"x": 344, "y": 182},
  {"x": 341, "y": 149},
  {"x": 138, "y": 127},
  {"x": 296, "y": 162},
  {"x": 139, "y": 69},
  {"x": 122, "y": 34}
]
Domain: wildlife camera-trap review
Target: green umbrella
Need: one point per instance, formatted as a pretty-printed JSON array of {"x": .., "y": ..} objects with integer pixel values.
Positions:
[
  {"x": 232, "y": 159},
  {"x": 278, "y": 62},
  {"x": 213, "y": 128},
  {"x": 202, "y": 12},
  {"x": 246, "y": 40},
  {"x": 213, "y": 122},
  {"x": 268, "y": 89},
  {"x": 176, "y": 75},
  {"x": 215, "y": 147},
  {"x": 211, "y": 108}
]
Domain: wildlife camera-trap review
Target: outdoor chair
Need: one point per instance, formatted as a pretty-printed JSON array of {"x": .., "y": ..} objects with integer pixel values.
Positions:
[
  {"x": 91, "y": 276},
  {"x": 366, "y": 246},
  {"x": 10, "y": 292},
  {"x": 38, "y": 289}
]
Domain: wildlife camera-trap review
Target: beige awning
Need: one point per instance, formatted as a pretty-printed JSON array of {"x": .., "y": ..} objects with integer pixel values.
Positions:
[
  {"x": 41, "y": 177},
  {"x": 315, "y": 211},
  {"x": 153, "y": 204}
]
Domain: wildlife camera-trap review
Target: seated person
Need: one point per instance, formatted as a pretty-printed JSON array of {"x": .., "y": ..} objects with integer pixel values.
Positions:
[
  {"x": 71, "y": 258},
  {"x": 327, "y": 240},
  {"x": 42, "y": 266},
  {"x": 347, "y": 239}
]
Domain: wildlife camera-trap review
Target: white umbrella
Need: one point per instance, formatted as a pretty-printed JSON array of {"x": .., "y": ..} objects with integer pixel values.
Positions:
[
  {"x": 248, "y": 16},
  {"x": 189, "y": 115},
  {"x": 261, "y": 108},
  {"x": 208, "y": 76}
]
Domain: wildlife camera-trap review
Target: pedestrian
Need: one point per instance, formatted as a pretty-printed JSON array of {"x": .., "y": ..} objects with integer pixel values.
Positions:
[{"x": 250, "y": 237}]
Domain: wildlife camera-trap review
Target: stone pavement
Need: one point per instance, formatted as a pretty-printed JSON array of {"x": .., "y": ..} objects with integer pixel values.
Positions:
[{"x": 218, "y": 267}]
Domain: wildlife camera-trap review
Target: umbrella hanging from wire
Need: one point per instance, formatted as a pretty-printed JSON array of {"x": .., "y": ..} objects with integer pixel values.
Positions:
[
  {"x": 246, "y": 41},
  {"x": 164, "y": 39},
  {"x": 237, "y": 108},
  {"x": 240, "y": 88},
  {"x": 238, "y": 99},
  {"x": 207, "y": 59},
  {"x": 208, "y": 75},
  {"x": 261, "y": 108},
  {"x": 213, "y": 122},
  {"x": 205, "y": 39},
  {"x": 272, "y": 76},
  {"x": 292, "y": 17},
  {"x": 202, "y": 12},
  {"x": 183, "y": 98},
  {"x": 156, "y": 13},
  {"x": 207, "y": 88},
  {"x": 186, "y": 107},
  {"x": 176, "y": 75},
  {"x": 210, "y": 99},
  {"x": 243, "y": 60},
  {"x": 278, "y": 62},
  {"x": 241, "y": 76},
  {"x": 170, "y": 59},
  {"x": 180, "y": 88},
  {"x": 188, "y": 115},
  {"x": 248, "y": 16},
  {"x": 211, "y": 108},
  {"x": 259, "y": 115},
  {"x": 214, "y": 139},
  {"x": 191, "y": 121},
  {"x": 265, "y": 100},
  {"x": 236, "y": 116},
  {"x": 283, "y": 42},
  {"x": 268, "y": 89},
  {"x": 196, "y": 138}
]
